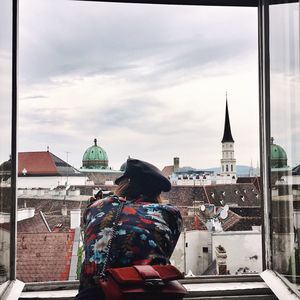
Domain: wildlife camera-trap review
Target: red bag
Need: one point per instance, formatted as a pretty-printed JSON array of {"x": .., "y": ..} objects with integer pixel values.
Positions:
[{"x": 146, "y": 282}]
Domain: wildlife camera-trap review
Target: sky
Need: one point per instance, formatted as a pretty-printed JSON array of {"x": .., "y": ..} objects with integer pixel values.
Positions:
[
  {"x": 5, "y": 80},
  {"x": 285, "y": 79},
  {"x": 147, "y": 81}
]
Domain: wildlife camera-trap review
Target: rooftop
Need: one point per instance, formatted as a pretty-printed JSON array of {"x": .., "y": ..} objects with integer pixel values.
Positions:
[
  {"x": 44, "y": 163},
  {"x": 44, "y": 256}
]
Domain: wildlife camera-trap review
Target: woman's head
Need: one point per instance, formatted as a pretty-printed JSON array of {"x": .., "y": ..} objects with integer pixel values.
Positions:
[{"x": 142, "y": 179}]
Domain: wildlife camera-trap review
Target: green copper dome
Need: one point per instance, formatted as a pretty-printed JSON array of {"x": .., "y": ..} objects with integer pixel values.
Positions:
[
  {"x": 95, "y": 157},
  {"x": 278, "y": 156}
]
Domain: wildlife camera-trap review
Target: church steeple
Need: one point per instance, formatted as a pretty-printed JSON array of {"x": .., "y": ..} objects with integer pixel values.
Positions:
[
  {"x": 228, "y": 162},
  {"x": 227, "y": 136}
]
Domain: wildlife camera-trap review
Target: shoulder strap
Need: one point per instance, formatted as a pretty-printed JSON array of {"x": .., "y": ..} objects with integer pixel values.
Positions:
[{"x": 122, "y": 202}]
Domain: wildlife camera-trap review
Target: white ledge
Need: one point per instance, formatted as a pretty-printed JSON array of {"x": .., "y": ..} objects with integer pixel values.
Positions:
[{"x": 195, "y": 290}]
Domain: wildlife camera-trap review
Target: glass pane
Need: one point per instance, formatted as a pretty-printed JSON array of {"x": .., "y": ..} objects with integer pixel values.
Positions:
[
  {"x": 5, "y": 134},
  {"x": 285, "y": 138}
]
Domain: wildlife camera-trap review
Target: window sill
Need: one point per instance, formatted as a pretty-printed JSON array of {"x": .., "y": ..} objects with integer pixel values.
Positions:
[
  {"x": 207, "y": 287},
  {"x": 13, "y": 290}
]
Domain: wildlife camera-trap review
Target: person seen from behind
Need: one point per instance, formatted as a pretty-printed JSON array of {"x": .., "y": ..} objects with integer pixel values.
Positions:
[{"x": 146, "y": 234}]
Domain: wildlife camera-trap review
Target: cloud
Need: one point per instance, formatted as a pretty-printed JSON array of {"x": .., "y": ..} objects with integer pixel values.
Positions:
[
  {"x": 147, "y": 81},
  {"x": 109, "y": 41}
]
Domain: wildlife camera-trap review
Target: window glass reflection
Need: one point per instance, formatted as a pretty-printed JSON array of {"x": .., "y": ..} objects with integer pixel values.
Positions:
[
  {"x": 285, "y": 141},
  {"x": 5, "y": 132}
]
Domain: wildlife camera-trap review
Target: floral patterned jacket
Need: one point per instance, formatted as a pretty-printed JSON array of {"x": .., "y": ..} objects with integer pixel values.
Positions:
[{"x": 147, "y": 233}]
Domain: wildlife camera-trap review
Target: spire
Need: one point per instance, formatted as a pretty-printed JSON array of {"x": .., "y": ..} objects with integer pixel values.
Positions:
[
  {"x": 95, "y": 142},
  {"x": 227, "y": 137}
]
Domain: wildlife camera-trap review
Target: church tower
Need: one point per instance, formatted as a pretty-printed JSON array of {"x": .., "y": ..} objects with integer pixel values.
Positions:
[{"x": 228, "y": 162}]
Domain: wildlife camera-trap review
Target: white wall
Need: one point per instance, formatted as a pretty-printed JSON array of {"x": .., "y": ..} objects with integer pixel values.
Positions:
[
  {"x": 75, "y": 218},
  {"x": 25, "y": 213},
  {"x": 241, "y": 248},
  {"x": 188, "y": 254},
  {"x": 49, "y": 181},
  {"x": 22, "y": 214},
  {"x": 215, "y": 179}
]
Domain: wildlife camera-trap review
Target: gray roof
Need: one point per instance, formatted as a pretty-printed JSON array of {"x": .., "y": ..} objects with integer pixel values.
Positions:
[{"x": 244, "y": 194}]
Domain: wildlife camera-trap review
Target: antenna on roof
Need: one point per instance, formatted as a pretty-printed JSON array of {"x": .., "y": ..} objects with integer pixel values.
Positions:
[{"x": 47, "y": 148}]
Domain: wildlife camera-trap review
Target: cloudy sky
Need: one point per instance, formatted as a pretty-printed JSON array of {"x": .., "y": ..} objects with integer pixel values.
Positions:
[
  {"x": 147, "y": 81},
  {"x": 5, "y": 80}
]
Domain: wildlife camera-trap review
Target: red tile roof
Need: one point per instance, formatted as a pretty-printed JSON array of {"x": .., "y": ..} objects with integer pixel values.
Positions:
[
  {"x": 44, "y": 256},
  {"x": 32, "y": 225},
  {"x": 36, "y": 163},
  {"x": 44, "y": 163}
]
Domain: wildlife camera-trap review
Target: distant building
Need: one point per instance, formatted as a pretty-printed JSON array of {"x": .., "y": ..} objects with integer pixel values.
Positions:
[
  {"x": 95, "y": 157},
  {"x": 228, "y": 162},
  {"x": 191, "y": 176},
  {"x": 218, "y": 253},
  {"x": 5, "y": 172},
  {"x": 187, "y": 175},
  {"x": 285, "y": 208},
  {"x": 279, "y": 165},
  {"x": 43, "y": 169},
  {"x": 95, "y": 165}
]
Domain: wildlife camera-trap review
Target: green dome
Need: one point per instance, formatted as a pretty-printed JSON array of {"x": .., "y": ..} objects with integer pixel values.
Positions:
[
  {"x": 277, "y": 152},
  {"x": 278, "y": 156},
  {"x": 95, "y": 157}
]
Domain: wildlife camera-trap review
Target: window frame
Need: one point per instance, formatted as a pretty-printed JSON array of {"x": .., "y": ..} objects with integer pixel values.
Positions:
[{"x": 264, "y": 114}]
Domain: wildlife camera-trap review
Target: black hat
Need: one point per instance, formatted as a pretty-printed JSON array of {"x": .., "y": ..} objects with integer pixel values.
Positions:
[{"x": 146, "y": 175}]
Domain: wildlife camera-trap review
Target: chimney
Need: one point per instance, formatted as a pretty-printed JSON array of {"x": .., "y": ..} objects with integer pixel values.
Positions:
[
  {"x": 75, "y": 218},
  {"x": 176, "y": 163},
  {"x": 221, "y": 260},
  {"x": 64, "y": 210}
]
